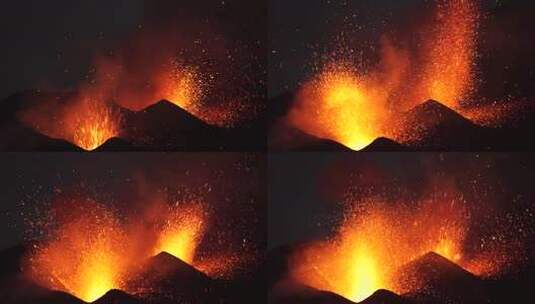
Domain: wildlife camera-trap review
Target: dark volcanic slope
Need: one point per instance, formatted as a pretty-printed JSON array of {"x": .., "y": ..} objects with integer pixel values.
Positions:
[
  {"x": 439, "y": 280},
  {"x": 18, "y": 290},
  {"x": 383, "y": 144},
  {"x": 438, "y": 127},
  {"x": 165, "y": 126},
  {"x": 166, "y": 279},
  {"x": 287, "y": 138},
  {"x": 116, "y": 144},
  {"x": 294, "y": 293},
  {"x": 382, "y": 296},
  {"x": 118, "y": 297},
  {"x": 16, "y": 137}
]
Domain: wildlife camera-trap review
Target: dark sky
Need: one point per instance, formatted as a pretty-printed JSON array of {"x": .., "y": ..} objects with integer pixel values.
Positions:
[
  {"x": 52, "y": 44},
  {"x": 232, "y": 184},
  {"x": 306, "y": 190},
  {"x": 302, "y": 31}
]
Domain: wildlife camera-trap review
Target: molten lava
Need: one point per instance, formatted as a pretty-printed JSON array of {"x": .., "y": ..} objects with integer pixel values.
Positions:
[
  {"x": 182, "y": 232},
  {"x": 90, "y": 123},
  {"x": 375, "y": 241},
  {"x": 85, "y": 255},
  {"x": 354, "y": 108},
  {"x": 86, "y": 120}
]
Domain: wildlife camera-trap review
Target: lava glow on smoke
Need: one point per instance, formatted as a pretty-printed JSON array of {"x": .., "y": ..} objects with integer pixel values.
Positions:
[
  {"x": 376, "y": 239},
  {"x": 353, "y": 107},
  {"x": 91, "y": 250}
]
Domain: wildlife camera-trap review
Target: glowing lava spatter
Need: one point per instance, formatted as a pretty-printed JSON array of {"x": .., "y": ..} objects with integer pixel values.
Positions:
[
  {"x": 449, "y": 65},
  {"x": 84, "y": 257}
]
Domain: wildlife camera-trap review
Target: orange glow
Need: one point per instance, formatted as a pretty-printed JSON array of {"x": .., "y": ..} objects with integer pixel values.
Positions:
[
  {"x": 344, "y": 104},
  {"x": 339, "y": 105},
  {"x": 373, "y": 242},
  {"x": 179, "y": 85},
  {"x": 86, "y": 121},
  {"x": 85, "y": 256},
  {"x": 91, "y": 123},
  {"x": 182, "y": 232},
  {"x": 449, "y": 66},
  {"x": 91, "y": 251}
]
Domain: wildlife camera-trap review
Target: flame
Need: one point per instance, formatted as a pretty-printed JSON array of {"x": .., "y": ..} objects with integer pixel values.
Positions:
[
  {"x": 85, "y": 256},
  {"x": 182, "y": 233},
  {"x": 374, "y": 242},
  {"x": 354, "y": 108}
]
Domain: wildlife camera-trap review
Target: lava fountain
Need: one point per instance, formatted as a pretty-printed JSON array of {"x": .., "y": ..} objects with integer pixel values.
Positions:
[
  {"x": 374, "y": 241},
  {"x": 91, "y": 123},
  {"x": 349, "y": 106},
  {"x": 339, "y": 104},
  {"x": 85, "y": 256}
]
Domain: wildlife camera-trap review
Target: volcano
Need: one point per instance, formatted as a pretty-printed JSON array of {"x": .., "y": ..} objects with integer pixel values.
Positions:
[
  {"x": 162, "y": 126},
  {"x": 439, "y": 280},
  {"x": 160, "y": 279},
  {"x": 429, "y": 126}
]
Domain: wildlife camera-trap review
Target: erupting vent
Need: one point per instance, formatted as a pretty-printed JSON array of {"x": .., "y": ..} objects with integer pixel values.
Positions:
[
  {"x": 376, "y": 240},
  {"x": 91, "y": 251}
]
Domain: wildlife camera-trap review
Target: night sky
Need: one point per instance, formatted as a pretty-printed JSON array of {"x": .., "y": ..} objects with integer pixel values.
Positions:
[
  {"x": 232, "y": 184},
  {"x": 303, "y": 32},
  {"x": 307, "y": 190},
  {"x": 52, "y": 44}
]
